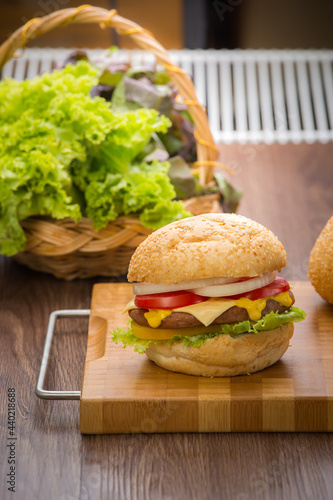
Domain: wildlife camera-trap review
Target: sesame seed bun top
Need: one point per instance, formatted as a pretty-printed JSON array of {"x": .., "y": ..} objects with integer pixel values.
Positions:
[{"x": 206, "y": 246}]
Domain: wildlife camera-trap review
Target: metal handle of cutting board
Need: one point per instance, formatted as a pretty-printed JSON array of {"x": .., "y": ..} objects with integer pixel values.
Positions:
[{"x": 40, "y": 391}]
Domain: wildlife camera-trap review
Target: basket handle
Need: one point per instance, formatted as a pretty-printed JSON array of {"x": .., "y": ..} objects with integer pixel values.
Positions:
[{"x": 207, "y": 152}]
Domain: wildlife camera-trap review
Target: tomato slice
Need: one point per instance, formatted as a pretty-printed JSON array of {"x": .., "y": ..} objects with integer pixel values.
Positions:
[
  {"x": 168, "y": 300},
  {"x": 279, "y": 285}
]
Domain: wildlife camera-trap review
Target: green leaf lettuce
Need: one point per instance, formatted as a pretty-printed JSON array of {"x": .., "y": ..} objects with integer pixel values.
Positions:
[{"x": 65, "y": 154}]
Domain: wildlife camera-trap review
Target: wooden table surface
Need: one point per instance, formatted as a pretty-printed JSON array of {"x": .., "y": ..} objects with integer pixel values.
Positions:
[{"x": 288, "y": 188}]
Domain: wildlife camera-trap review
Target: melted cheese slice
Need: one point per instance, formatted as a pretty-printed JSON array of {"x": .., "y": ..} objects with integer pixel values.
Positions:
[
  {"x": 206, "y": 312},
  {"x": 130, "y": 305}
]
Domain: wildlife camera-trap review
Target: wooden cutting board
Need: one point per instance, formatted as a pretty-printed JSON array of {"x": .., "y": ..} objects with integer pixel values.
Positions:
[{"x": 125, "y": 392}]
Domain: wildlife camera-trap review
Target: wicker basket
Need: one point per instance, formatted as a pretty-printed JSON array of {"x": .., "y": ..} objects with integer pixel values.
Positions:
[{"x": 71, "y": 250}]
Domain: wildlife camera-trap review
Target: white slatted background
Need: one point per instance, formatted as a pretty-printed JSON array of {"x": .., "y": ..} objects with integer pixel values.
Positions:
[{"x": 251, "y": 95}]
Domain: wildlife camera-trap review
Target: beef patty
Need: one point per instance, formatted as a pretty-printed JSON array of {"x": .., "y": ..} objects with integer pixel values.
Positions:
[{"x": 184, "y": 320}]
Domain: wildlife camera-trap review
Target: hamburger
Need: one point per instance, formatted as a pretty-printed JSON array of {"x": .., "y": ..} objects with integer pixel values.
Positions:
[{"x": 207, "y": 299}]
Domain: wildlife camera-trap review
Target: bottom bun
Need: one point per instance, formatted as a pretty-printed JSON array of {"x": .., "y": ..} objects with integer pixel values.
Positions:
[{"x": 223, "y": 356}]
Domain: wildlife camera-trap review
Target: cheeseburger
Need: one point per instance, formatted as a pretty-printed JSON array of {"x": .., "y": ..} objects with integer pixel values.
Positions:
[{"x": 207, "y": 299}]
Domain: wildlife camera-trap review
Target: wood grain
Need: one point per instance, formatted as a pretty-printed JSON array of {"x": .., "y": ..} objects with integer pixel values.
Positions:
[
  {"x": 286, "y": 187},
  {"x": 124, "y": 392}
]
